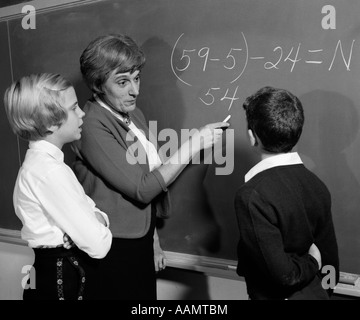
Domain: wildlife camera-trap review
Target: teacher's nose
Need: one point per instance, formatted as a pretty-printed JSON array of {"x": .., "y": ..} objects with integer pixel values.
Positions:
[{"x": 134, "y": 90}]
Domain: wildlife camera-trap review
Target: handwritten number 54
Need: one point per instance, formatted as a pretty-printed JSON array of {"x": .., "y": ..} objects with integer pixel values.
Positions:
[{"x": 210, "y": 98}]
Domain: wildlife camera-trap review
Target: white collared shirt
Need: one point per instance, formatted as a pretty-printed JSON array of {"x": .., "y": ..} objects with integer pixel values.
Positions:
[
  {"x": 152, "y": 154},
  {"x": 282, "y": 159},
  {"x": 50, "y": 202}
]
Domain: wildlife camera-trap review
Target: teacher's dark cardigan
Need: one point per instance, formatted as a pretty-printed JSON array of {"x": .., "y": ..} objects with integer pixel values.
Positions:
[
  {"x": 126, "y": 192},
  {"x": 281, "y": 211}
]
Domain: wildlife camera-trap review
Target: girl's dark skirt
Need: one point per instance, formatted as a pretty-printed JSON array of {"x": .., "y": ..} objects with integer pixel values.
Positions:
[{"x": 60, "y": 274}]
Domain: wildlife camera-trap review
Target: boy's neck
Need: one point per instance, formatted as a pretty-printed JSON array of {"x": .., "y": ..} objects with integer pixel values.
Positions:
[{"x": 265, "y": 155}]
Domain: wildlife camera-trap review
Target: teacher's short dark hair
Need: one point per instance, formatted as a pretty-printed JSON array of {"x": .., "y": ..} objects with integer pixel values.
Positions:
[
  {"x": 276, "y": 116},
  {"x": 106, "y": 54}
]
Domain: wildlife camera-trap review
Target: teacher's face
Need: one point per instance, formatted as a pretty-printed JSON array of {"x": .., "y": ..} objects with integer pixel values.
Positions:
[{"x": 121, "y": 90}]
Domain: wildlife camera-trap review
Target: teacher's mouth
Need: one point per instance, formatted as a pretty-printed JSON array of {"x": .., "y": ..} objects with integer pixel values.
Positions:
[{"x": 130, "y": 104}]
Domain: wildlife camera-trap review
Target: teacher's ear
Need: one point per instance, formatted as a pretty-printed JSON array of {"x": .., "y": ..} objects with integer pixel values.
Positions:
[{"x": 252, "y": 138}]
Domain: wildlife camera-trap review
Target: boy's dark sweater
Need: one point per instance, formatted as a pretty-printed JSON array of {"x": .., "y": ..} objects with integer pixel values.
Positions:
[{"x": 281, "y": 211}]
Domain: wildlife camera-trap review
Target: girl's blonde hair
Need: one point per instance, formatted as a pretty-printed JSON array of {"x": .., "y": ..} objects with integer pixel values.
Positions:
[{"x": 34, "y": 103}]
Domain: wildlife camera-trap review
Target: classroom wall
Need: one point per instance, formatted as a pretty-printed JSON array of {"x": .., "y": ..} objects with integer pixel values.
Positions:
[{"x": 174, "y": 284}]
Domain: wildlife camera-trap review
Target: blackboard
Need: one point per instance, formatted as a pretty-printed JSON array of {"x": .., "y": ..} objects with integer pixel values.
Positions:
[{"x": 203, "y": 59}]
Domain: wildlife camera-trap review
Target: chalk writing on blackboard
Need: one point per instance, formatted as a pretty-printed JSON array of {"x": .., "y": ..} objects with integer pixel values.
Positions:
[{"x": 238, "y": 58}]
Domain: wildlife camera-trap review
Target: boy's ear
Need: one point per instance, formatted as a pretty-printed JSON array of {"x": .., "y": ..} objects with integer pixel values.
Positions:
[{"x": 252, "y": 138}]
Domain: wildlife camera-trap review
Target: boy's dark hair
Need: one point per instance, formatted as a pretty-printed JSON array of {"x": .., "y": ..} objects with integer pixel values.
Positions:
[{"x": 276, "y": 117}]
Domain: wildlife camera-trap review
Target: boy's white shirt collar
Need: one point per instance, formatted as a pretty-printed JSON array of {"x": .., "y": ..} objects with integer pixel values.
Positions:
[{"x": 283, "y": 159}]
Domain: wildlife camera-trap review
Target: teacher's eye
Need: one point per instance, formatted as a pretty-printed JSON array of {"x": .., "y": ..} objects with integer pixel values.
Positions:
[{"x": 122, "y": 83}]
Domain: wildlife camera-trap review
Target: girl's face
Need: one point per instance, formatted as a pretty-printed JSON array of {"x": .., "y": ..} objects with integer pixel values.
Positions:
[
  {"x": 121, "y": 90},
  {"x": 70, "y": 129}
]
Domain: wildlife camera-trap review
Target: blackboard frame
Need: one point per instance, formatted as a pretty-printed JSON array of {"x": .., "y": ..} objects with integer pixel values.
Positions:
[{"x": 15, "y": 9}]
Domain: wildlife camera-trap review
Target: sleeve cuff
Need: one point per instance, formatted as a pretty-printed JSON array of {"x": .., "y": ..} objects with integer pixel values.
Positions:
[
  {"x": 106, "y": 218},
  {"x": 160, "y": 179},
  {"x": 314, "y": 261}
]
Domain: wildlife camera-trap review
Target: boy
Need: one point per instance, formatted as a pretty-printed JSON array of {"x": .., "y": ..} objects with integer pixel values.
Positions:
[
  {"x": 283, "y": 209},
  {"x": 48, "y": 198}
]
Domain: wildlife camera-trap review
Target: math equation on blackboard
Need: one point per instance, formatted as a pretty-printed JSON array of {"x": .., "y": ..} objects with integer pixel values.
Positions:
[{"x": 238, "y": 58}]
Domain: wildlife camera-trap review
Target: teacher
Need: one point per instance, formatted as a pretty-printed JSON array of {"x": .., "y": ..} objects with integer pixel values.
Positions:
[{"x": 133, "y": 195}]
